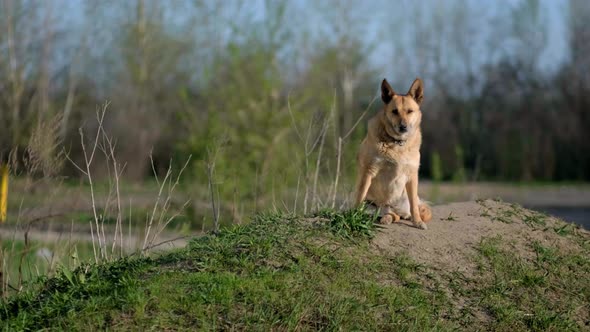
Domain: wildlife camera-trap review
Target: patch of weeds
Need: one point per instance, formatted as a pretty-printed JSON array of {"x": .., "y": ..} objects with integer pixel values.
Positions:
[
  {"x": 350, "y": 223},
  {"x": 485, "y": 213},
  {"x": 531, "y": 218},
  {"x": 565, "y": 229},
  {"x": 503, "y": 263},
  {"x": 71, "y": 291},
  {"x": 502, "y": 218},
  {"x": 488, "y": 247},
  {"x": 407, "y": 270},
  {"x": 534, "y": 219},
  {"x": 485, "y": 209},
  {"x": 505, "y": 215},
  {"x": 516, "y": 208},
  {"x": 509, "y": 213},
  {"x": 545, "y": 254},
  {"x": 522, "y": 294},
  {"x": 450, "y": 217}
]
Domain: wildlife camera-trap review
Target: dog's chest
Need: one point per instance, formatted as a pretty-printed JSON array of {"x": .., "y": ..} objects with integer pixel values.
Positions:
[
  {"x": 389, "y": 182},
  {"x": 391, "y": 170},
  {"x": 395, "y": 168},
  {"x": 395, "y": 162}
]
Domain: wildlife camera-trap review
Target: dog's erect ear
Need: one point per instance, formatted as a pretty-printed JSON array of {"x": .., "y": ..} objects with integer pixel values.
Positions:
[
  {"x": 386, "y": 92},
  {"x": 417, "y": 91}
]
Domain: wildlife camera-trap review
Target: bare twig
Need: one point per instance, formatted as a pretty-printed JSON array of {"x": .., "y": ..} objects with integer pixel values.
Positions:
[
  {"x": 165, "y": 207},
  {"x": 156, "y": 204},
  {"x": 88, "y": 162},
  {"x": 93, "y": 245},
  {"x": 359, "y": 119},
  {"x": 109, "y": 151},
  {"x": 210, "y": 170},
  {"x": 338, "y": 158},
  {"x": 319, "y": 158},
  {"x": 296, "y": 194},
  {"x": 152, "y": 246},
  {"x": 341, "y": 139},
  {"x": 161, "y": 210},
  {"x": 293, "y": 118}
]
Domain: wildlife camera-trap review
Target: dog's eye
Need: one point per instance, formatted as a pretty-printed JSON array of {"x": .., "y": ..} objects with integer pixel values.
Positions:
[
  {"x": 395, "y": 111},
  {"x": 410, "y": 111}
]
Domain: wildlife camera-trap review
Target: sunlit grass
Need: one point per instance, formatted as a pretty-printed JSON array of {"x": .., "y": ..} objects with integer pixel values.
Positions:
[{"x": 283, "y": 272}]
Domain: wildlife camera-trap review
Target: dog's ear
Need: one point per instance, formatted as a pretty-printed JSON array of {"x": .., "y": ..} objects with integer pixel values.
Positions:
[
  {"x": 417, "y": 91},
  {"x": 387, "y": 92}
]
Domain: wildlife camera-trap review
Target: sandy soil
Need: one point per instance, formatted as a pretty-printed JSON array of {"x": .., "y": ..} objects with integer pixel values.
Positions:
[{"x": 457, "y": 228}]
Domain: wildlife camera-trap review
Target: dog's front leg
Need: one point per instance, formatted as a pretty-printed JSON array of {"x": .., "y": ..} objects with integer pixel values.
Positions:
[
  {"x": 412, "y": 191},
  {"x": 363, "y": 185}
]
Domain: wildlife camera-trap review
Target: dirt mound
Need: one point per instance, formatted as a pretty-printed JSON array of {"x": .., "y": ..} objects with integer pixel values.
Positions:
[{"x": 456, "y": 229}]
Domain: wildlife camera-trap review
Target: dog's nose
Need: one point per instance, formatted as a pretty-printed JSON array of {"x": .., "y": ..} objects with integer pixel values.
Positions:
[{"x": 403, "y": 128}]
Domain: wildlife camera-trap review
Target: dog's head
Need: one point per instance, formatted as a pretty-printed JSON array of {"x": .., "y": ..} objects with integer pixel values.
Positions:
[{"x": 402, "y": 111}]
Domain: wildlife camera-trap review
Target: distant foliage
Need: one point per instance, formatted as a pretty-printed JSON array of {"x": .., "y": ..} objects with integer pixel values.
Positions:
[
  {"x": 436, "y": 172},
  {"x": 273, "y": 92}
]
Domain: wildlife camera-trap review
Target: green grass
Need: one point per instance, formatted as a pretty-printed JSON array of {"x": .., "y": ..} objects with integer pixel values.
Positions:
[
  {"x": 278, "y": 272},
  {"x": 350, "y": 223},
  {"x": 542, "y": 294},
  {"x": 282, "y": 272},
  {"x": 510, "y": 213}
]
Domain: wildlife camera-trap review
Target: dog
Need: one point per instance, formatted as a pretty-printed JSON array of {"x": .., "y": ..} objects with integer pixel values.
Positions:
[{"x": 389, "y": 158}]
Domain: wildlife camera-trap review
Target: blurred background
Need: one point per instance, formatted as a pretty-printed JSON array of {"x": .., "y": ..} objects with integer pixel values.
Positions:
[{"x": 264, "y": 103}]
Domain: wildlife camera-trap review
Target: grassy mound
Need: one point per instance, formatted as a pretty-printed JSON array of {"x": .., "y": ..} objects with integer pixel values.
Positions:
[{"x": 315, "y": 273}]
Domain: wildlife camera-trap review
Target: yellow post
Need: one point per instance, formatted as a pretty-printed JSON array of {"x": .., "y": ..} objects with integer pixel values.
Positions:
[{"x": 3, "y": 191}]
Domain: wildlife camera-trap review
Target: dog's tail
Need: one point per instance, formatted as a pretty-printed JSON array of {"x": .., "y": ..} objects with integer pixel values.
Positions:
[{"x": 425, "y": 211}]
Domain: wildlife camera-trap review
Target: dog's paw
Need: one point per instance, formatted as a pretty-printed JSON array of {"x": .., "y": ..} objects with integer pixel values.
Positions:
[
  {"x": 420, "y": 224},
  {"x": 386, "y": 219},
  {"x": 389, "y": 218}
]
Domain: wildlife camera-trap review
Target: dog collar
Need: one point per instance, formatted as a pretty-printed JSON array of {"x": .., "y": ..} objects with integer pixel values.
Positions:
[
  {"x": 386, "y": 138},
  {"x": 399, "y": 142}
]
